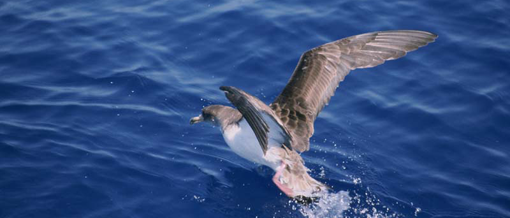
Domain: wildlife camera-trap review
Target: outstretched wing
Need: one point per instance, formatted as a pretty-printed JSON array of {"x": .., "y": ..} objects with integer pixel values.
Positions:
[
  {"x": 320, "y": 70},
  {"x": 254, "y": 111}
]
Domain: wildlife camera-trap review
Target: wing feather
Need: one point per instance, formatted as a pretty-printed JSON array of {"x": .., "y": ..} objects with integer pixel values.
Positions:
[
  {"x": 253, "y": 111},
  {"x": 321, "y": 69}
]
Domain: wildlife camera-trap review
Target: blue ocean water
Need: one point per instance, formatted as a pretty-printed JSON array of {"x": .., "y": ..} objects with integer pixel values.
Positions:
[{"x": 96, "y": 96}]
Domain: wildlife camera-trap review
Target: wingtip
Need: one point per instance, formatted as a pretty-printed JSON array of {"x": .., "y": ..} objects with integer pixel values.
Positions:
[
  {"x": 432, "y": 35},
  {"x": 227, "y": 88},
  {"x": 435, "y": 36}
]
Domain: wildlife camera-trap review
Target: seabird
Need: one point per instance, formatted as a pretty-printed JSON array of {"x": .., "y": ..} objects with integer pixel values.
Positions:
[{"x": 272, "y": 135}]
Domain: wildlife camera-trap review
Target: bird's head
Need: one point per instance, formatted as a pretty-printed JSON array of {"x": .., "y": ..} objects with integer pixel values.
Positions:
[{"x": 209, "y": 114}]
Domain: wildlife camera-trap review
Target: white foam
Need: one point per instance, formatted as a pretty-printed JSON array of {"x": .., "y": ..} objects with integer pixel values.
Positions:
[{"x": 330, "y": 205}]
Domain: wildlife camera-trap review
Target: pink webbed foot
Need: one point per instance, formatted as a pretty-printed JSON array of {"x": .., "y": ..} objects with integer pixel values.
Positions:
[{"x": 280, "y": 185}]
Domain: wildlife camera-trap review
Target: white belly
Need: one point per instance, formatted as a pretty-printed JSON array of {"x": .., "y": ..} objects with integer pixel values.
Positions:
[{"x": 241, "y": 139}]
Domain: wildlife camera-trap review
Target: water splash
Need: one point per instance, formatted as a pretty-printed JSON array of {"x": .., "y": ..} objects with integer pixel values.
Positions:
[
  {"x": 348, "y": 204},
  {"x": 330, "y": 205}
]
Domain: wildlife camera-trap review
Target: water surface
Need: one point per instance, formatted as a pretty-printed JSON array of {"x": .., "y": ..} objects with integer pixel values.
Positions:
[{"x": 96, "y": 96}]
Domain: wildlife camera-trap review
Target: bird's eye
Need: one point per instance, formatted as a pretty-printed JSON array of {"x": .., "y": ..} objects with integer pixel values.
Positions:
[{"x": 205, "y": 116}]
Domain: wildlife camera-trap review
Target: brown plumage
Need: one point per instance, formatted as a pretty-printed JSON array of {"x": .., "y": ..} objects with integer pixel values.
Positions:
[{"x": 321, "y": 69}]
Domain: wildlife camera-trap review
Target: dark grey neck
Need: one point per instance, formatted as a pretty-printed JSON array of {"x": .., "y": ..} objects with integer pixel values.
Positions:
[{"x": 225, "y": 116}]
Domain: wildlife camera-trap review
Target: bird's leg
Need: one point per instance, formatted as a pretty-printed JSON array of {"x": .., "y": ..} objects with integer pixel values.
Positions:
[{"x": 281, "y": 186}]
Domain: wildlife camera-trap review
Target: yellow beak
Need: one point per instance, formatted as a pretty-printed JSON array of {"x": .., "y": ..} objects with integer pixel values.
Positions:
[{"x": 196, "y": 120}]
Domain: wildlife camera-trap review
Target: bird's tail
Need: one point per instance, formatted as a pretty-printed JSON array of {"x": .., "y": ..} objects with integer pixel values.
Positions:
[{"x": 294, "y": 179}]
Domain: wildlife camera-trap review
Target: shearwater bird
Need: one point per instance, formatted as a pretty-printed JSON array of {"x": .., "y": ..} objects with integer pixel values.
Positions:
[{"x": 272, "y": 135}]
